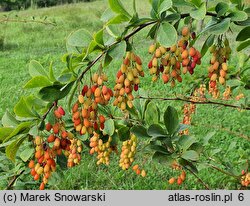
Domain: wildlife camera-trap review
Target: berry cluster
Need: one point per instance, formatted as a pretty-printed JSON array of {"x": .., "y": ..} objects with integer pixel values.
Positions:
[
  {"x": 218, "y": 63},
  {"x": 74, "y": 154},
  {"x": 138, "y": 171},
  {"x": 188, "y": 110},
  {"x": 58, "y": 141},
  {"x": 102, "y": 149},
  {"x": 169, "y": 61},
  {"x": 128, "y": 152},
  {"x": 85, "y": 111},
  {"x": 179, "y": 180},
  {"x": 127, "y": 80}
]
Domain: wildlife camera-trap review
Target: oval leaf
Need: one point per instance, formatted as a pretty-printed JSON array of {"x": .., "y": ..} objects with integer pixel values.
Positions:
[
  {"x": 244, "y": 34},
  {"x": 117, "y": 7},
  {"x": 79, "y": 38},
  {"x": 171, "y": 120},
  {"x": 139, "y": 131},
  {"x": 37, "y": 81},
  {"x": 238, "y": 16},
  {"x": 36, "y": 69},
  {"x": 109, "y": 127},
  {"x": 156, "y": 130},
  {"x": 221, "y": 8},
  {"x": 199, "y": 13},
  {"x": 167, "y": 35},
  {"x": 151, "y": 114},
  {"x": 190, "y": 155},
  {"x": 22, "y": 110},
  {"x": 11, "y": 149},
  {"x": 243, "y": 45}
]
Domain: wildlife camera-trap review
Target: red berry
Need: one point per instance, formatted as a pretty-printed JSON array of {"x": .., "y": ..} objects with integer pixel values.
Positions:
[
  {"x": 136, "y": 87},
  {"x": 61, "y": 111}
]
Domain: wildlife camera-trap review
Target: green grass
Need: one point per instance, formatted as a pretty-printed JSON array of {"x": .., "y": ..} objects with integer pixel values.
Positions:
[{"x": 45, "y": 43}]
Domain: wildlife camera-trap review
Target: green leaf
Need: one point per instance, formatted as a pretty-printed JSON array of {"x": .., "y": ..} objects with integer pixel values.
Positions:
[
  {"x": 22, "y": 110},
  {"x": 205, "y": 139},
  {"x": 79, "y": 38},
  {"x": 196, "y": 3},
  {"x": 98, "y": 37},
  {"x": 218, "y": 27},
  {"x": 238, "y": 16},
  {"x": 199, "y": 13},
  {"x": 11, "y": 149},
  {"x": 109, "y": 127},
  {"x": 51, "y": 73},
  {"x": 37, "y": 81},
  {"x": 26, "y": 154},
  {"x": 234, "y": 83},
  {"x": 186, "y": 141},
  {"x": 120, "y": 18},
  {"x": 221, "y": 8},
  {"x": 244, "y": 34},
  {"x": 208, "y": 43},
  {"x": 160, "y": 149},
  {"x": 5, "y": 132},
  {"x": 243, "y": 45},
  {"x": 107, "y": 15},
  {"x": 172, "y": 17},
  {"x": 123, "y": 133},
  {"x": 36, "y": 69},
  {"x": 190, "y": 155},
  {"x": 181, "y": 3},
  {"x": 107, "y": 60},
  {"x": 55, "y": 92},
  {"x": 162, "y": 158},
  {"x": 151, "y": 114},
  {"x": 188, "y": 165},
  {"x": 118, "y": 51},
  {"x": 171, "y": 120},
  {"x": 139, "y": 131},
  {"x": 152, "y": 31},
  {"x": 117, "y": 7},
  {"x": 9, "y": 120},
  {"x": 22, "y": 128},
  {"x": 164, "y": 6},
  {"x": 155, "y": 130},
  {"x": 167, "y": 35}
]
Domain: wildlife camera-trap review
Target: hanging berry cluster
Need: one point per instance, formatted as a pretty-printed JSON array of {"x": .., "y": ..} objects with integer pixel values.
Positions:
[
  {"x": 188, "y": 110},
  {"x": 127, "y": 80},
  {"x": 103, "y": 149},
  {"x": 47, "y": 149},
  {"x": 169, "y": 61},
  {"x": 218, "y": 63},
  {"x": 85, "y": 111}
]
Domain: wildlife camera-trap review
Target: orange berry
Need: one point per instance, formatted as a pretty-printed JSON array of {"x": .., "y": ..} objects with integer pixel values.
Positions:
[
  {"x": 179, "y": 181},
  {"x": 192, "y": 51},
  {"x": 51, "y": 138},
  {"x": 36, "y": 177},
  {"x": 135, "y": 167},
  {"x": 31, "y": 164},
  {"x": 61, "y": 111},
  {"x": 48, "y": 127},
  {"x": 42, "y": 186},
  {"x": 184, "y": 54},
  {"x": 101, "y": 119},
  {"x": 138, "y": 171},
  {"x": 185, "y": 31},
  {"x": 171, "y": 180}
]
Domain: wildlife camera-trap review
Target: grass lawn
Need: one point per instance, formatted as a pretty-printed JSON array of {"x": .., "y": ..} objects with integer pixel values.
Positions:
[{"x": 45, "y": 43}]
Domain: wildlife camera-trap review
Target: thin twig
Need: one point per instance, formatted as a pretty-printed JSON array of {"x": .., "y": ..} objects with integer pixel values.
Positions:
[
  {"x": 49, "y": 109},
  {"x": 222, "y": 171},
  {"x": 222, "y": 129},
  {"x": 199, "y": 179},
  {"x": 194, "y": 102},
  {"x": 11, "y": 183},
  {"x": 27, "y": 21}
]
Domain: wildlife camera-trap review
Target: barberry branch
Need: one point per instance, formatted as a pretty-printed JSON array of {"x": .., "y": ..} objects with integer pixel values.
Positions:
[
  {"x": 194, "y": 102},
  {"x": 198, "y": 178}
]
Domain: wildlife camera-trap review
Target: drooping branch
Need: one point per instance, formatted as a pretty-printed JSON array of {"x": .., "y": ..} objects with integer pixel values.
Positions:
[{"x": 194, "y": 102}]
